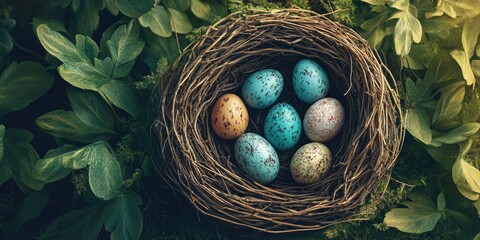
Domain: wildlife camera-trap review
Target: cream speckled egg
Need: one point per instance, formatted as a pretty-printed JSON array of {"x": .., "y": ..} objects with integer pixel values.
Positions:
[
  {"x": 229, "y": 117},
  {"x": 310, "y": 163},
  {"x": 324, "y": 120}
]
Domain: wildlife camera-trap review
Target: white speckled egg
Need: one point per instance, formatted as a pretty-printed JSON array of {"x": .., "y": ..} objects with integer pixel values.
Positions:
[
  {"x": 324, "y": 120},
  {"x": 256, "y": 157},
  {"x": 310, "y": 163}
]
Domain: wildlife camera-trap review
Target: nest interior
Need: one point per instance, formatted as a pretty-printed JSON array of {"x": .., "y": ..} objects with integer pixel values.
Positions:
[{"x": 201, "y": 165}]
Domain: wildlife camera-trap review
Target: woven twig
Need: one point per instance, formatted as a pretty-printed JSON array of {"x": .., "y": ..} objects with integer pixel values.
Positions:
[{"x": 201, "y": 165}]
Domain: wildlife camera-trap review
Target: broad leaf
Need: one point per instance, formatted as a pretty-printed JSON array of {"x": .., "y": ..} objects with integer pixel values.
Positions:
[
  {"x": 105, "y": 174},
  {"x": 83, "y": 224},
  {"x": 402, "y": 5},
  {"x": 375, "y": 2},
  {"x": 476, "y": 67},
  {"x": 30, "y": 208},
  {"x": 417, "y": 122},
  {"x": 20, "y": 157},
  {"x": 54, "y": 24},
  {"x": 87, "y": 46},
  {"x": 463, "y": 61},
  {"x": 441, "y": 203},
  {"x": 180, "y": 5},
  {"x": 456, "y": 135},
  {"x": 158, "y": 20},
  {"x": 89, "y": 107},
  {"x": 466, "y": 177},
  {"x": 419, "y": 217},
  {"x": 125, "y": 218},
  {"x": 449, "y": 105},
  {"x": 134, "y": 8},
  {"x": 83, "y": 75},
  {"x": 125, "y": 45},
  {"x": 202, "y": 10},
  {"x": 87, "y": 18},
  {"x": 408, "y": 28},
  {"x": 122, "y": 96},
  {"x": 471, "y": 30},
  {"x": 445, "y": 155},
  {"x": 462, "y": 220},
  {"x": 442, "y": 68},
  {"x": 455, "y": 8},
  {"x": 179, "y": 21},
  {"x": 58, "y": 163},
  {"x": 67, "y": 125},
  {"x": 439, "y": 26},
  {"x": 112, "y": 6},
  {"x": 21, "y": 84}
]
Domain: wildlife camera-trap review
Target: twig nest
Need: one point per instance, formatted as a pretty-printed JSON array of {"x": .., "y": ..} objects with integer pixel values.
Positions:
[{"x": 200, "y": 164}]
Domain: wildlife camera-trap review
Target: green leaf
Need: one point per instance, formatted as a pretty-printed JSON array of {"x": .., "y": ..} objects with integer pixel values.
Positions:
[
  {"x": 445, "y": 155},
  {"x": 87, "y": 46},
  {"x": 477, "y": 50},
  {"x": 471, "y": 30},
  {"x": 134, "y": 8},
  {"x": 21, "y": 84},
  {"x": 476, "y": 67},
  {"x": 2, "y": 134},
  {"x": 441, "y": 204},
  {"x": 83, "y": 224},
  {"x": 67, "y": 125},
  {"x": 158, "y": 20},
  {"x": 30, "y": 208},
  {"x": 463, "y": 221},
  {"x": 449, "y": 105},
  {"x": 59, "y": 46},
  {"x": 466, "y": 177},
  {"x": 6, "y": 43},
  {"x": 408, "y": 28},
  {"x": 89, "y": 107},
  {"x": 125, "y": 218},
  {"x": 105, "y": 174},
  {"x": 112, "y": 6},
  {"x": 418, "y": 219},
  {"x": 476, "y": 204},
  {"x": 439, "y": 26},
  {"x": 463, "y": 61},
  {"x": 202, "y": 10},
  {"x": 458, "y": 134},
  {"x": 180, "y": 5},
  {"x": 400, "y": 4},
  {"x": 54, "y": 24},
  {"x": 122, "y": 96},
  {"x": 417, "y": 122},
  {"x": 179, "y": 22},
  {"x": 86, "y": 18},
  {"x": 375, "y": 2},
  {"x": 455, "y": 8},
  {"x": 419, "y": 200},
  {"x": 20, "y": 157},
  {"x": 125, "y": 45},
  {"x": 442, "y": 68}
]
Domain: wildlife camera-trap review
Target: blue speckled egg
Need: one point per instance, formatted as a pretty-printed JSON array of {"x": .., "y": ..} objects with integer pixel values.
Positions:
[
  {"x": 262, "y": 88},
  {"x": 256, "y": 158},
  {"x": 310, "y": 81},
  {"x": 283, "y": 126}
]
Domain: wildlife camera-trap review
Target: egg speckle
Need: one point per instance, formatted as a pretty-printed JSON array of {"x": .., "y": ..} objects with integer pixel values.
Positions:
[
  {"x": 310, "y": 163},
  {"x": 310, "y": 81},
  {"x": 256, "y": 157},
  {"x": 262, "y": 88},
  {"x": 283, "y": 126},
  {"x": 324, "y": 120},
  {"x": 229, "y": 116}
]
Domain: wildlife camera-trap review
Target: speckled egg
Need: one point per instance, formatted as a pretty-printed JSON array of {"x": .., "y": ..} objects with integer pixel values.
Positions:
[
  {"x": 262, "y": 88},
  {"x": 310, "y": 163},
  {"x": 256, "y": 157},
  {"x": 283, "y": 126},
  {"x": 229, "y": 116},
  {"x": 310, "y": 81},
  {"x": 324, "y": 120}
]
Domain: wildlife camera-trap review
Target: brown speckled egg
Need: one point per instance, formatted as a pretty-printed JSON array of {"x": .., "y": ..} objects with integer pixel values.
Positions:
[
  {"x": 324, "y": 120},
  {"x": 229, "y": 116},
  {"x": 310, "y": 163}
]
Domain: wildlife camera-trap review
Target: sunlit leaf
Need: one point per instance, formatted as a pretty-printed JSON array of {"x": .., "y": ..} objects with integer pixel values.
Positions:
[
  {"x": 407, "y": 29},
  {"x": 158, "y": 20},
  {"x": 456, "y": 8},
  {"x": 471, "y": 30},
  {"x": 179, "y": 22},
  {"x": 417, "y": 122},
  {"x": 463, "y": 61},
  {"x": 449, "y": 105},
  {"x": 466, "y": 176}
]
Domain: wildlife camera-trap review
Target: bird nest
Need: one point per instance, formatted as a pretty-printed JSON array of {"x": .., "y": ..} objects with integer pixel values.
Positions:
[{"x": 200, "y": 165}]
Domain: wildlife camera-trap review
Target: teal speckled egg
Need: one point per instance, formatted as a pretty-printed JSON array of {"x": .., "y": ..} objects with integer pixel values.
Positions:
[
  {"x": 262, "y": 88},
  {"x": 310, "y": 81},
  {"x": 256, "y": 158},
  {"x": 283, "y": 126}
]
